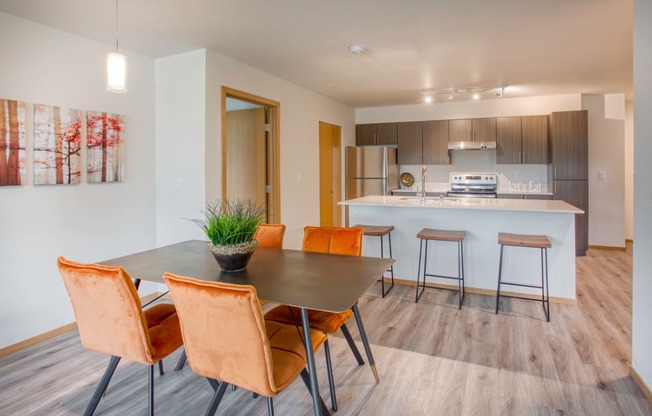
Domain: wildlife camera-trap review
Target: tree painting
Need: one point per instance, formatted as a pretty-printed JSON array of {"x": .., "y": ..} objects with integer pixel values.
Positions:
[
  {"x": 105, "y": 147},
  {"x": 12, "y": 142},
  {"x": 57, "y": 145}
]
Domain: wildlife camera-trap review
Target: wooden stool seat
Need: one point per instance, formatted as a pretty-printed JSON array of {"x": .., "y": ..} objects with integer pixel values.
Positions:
[
  {"x": 441, "y": 235},
  {"x": 534, "y": 241},
  {"x": 540, "y": 242},
  {"x": 380, "y": 231},
  {"x": 375, "y": 230},
  {"x": 429, "y": 234}
]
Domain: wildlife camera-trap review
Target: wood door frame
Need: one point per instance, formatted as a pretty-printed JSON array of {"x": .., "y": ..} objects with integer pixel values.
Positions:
[
  {"x": 274, "y": 149},
  {"x": 333, "y": 171}
]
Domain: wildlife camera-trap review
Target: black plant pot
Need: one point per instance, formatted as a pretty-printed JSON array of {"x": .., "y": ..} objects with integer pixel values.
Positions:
[{"x": 234, "y": 258}]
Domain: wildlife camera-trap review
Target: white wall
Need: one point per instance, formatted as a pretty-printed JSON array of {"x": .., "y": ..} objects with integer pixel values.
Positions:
[
  {"x": 629, "y": 169},
  {"x": 82, "y": 222},
  {"x": 470, "y": 109},
  {"x": 180, "y": 134},
  {"x": 300, "y": 110},
  {"x": 606, "y": 154},
  {"x": 642, "y": 287}
]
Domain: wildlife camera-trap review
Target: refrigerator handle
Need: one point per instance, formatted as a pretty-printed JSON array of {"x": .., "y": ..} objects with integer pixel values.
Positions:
[{"x": 385, "y": 169}]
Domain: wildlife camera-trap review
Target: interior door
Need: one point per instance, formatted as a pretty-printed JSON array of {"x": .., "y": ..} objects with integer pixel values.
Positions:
[
  {"x": 330, "y": 178},
  {"x": 246, "y": 155}
]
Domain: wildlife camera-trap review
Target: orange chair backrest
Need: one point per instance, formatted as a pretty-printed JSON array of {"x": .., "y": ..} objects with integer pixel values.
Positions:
[
  {"x": 224, "y": 332},
  {"x": 333, "y": 240},
  {"x": 270, "y": 235},
  {"x": 108, "y": 310}
]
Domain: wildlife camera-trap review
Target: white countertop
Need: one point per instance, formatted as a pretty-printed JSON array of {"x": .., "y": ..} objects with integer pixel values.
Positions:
[{"x": 490, "y": 204}]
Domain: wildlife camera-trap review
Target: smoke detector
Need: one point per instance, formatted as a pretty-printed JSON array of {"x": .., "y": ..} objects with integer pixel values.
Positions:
[{"x": 357, "y": 49}]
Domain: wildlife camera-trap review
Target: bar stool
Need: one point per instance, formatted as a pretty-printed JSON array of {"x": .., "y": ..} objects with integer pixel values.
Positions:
[
  {"x": 428, "y": 234},
  {"x": 381, "y": 231},
  {"x": 529, "y": 241}
]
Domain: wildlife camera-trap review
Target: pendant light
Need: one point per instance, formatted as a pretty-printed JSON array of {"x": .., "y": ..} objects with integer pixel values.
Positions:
[{"x": 116, "y": 65}]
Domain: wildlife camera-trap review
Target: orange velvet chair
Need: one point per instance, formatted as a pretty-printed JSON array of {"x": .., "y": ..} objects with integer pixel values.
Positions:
[
  {"x": 331, "y": 240},
  {"x": 111, "y": 320},
  {"x": 270, "y": 235},
  {"x": 227, "y": 339}
]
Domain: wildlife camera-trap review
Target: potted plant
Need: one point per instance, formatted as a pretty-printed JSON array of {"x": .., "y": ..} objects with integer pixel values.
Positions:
[{"x": 230, "y": 228}]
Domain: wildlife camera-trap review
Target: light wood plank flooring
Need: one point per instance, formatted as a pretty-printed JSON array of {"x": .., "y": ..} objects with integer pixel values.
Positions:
[{"x": 433, "y": 359}]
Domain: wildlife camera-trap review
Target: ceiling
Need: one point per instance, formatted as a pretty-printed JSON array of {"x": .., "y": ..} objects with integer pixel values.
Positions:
[{"x": 534, "y": 47}]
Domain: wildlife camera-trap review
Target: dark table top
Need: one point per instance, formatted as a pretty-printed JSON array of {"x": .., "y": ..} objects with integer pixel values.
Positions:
[{"x": 326, "y": 282}]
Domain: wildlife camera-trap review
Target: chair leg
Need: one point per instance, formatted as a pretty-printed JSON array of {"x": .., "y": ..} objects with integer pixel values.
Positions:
[
  {"x": 547, "y": 289},
  {"x": 104, "y": 382},
  {"x": 214, "y": 383},
  {"x": 150, "y": 406},
  {"x": 217, "y": 398},
  {"x": 331, "y": 382},
  {"x": 365, "y": 342},
  {"x": 182, "y": 361},
  {"x": 270, "y": 406},
  {"x": 500, "y": 270},
  {"x": 354, "y": 348},
  {"x": 305, "y": 377},
  {"x": 160, "y": 368}
]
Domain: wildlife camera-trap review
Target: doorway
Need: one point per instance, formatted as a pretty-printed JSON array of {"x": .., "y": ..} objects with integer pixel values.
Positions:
[
  {"x": 250, "y": 150},
  {"x": 330, "y": 176}
]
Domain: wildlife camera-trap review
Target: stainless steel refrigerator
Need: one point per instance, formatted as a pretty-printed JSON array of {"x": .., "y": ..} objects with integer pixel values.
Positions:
[{"x": 370, "y": 170}]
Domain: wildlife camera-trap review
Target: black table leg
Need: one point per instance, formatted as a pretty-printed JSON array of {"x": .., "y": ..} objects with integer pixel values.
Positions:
[
  {"x": 312, "y": 369},
  {"x": 365, "y": 341}
]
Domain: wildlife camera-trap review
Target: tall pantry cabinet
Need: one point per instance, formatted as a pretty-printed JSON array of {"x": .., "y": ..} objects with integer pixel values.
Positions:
[{"x": 570, "y": 168}]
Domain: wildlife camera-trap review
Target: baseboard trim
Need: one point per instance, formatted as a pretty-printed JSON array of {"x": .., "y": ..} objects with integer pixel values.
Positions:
[
  {"x": 608, "y": 248},
  {"x": 640, "y": 383},
  {"x": 10, "y": 349},
  {"x": 486, "y": 292}
]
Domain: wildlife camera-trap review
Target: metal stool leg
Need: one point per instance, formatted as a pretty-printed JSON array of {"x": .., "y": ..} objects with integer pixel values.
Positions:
[
  {"x": 500, "y": 270},
  {"x": 416, "y": 296},
  {"x": 547, "y": 289},
  {"x": 391, "y": 268}
]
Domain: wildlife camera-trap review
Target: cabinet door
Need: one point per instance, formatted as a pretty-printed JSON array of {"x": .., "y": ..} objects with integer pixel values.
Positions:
[
  {"x": 484, "y": 129},
  {"x": 435, "y": 143},
  {"x": 508, "y": 140},
  {"x": 577, "y": 193},
  {"x": 409, "y": 143},
  {"x": 365, "y": 134},
  {"x": 570, "y": 144},
  {"x": 386, "y": 133},
  {"x": 460, "y": 130},
  {"x": 534, "y": 142}
]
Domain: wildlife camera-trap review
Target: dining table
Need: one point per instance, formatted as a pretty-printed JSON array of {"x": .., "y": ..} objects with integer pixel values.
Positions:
[{"x": 317, "y": 281}]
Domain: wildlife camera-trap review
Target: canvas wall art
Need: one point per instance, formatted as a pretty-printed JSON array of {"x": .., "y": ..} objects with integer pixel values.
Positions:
[
  {"x": 57, "y": 145},
  {"x": 104, "y": 147},
  {"x": 12, "y": 142}
]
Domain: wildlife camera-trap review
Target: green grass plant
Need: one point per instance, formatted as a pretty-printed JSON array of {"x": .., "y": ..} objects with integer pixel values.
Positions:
[{"x": 231, "y": 222}]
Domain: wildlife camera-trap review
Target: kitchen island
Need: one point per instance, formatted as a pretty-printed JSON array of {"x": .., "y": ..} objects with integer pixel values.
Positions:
[{"x": 482, "y": 219}]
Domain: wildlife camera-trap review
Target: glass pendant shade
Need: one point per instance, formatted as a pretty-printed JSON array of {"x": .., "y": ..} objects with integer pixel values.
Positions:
[{"x": 116, "y": 72}]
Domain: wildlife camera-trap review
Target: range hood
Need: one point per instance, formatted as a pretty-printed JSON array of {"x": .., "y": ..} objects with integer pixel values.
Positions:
[{"x": 468, "y": 145}]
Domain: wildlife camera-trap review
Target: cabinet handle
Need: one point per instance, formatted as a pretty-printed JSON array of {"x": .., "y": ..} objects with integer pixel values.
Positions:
[{"x": 523, "y": 157}]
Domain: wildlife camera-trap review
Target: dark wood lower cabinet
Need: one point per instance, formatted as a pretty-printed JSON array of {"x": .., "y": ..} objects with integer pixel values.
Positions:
[{"x": 576, "y": 193}]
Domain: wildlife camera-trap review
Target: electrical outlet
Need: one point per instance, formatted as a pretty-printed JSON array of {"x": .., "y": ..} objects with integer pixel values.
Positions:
[
  {"x": 560, "y": 228},
  {"x": 517, "y": 174},
  {"x": 299, "y": 178}
]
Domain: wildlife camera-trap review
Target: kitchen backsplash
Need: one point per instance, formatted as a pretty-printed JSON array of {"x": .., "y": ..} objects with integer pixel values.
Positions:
[{"x": 482, "y": 161}]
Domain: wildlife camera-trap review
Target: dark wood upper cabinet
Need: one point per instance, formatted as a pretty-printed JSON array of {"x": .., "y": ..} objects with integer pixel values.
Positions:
[
  {"x": 375, "y": 134},
  {"x": 508, "y": 140},
  {"x": 387, "y": 133},
  {"x": 570, "y": 144},
  {"x": 460, "y": 130},
  {"x": 472, "y": 129},
  {"x": 435, "y": 142},
  {"x": 410, "y": 139},
  {"x": 484, "y": 129},
  {"x": 534, "y": 142}
]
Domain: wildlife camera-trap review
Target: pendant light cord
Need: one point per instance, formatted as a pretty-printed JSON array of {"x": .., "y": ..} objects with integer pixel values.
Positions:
[{"x": 116, "y": 26}]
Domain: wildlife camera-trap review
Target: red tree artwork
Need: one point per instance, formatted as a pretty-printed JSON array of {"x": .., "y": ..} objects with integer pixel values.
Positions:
[
  {"x": 57, "y": 145},
  {"x": 12, "y": 142},
  {"x": 105, "y": 147}
]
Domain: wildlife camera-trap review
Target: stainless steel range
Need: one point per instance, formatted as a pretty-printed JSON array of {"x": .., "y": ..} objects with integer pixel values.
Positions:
[{"x": 473, "y": 185}]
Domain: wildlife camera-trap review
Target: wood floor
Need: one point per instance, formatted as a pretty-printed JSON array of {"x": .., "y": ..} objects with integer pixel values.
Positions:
[{"x": 433, "y": 359}]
